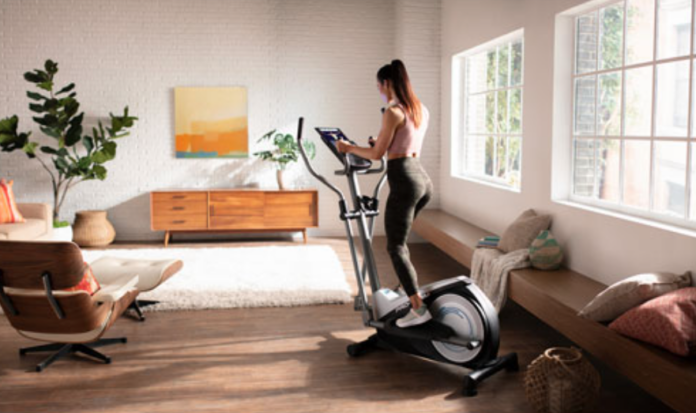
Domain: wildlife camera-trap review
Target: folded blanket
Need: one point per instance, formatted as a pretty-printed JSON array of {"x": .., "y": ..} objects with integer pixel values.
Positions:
[{"x": 490, "y": 269}]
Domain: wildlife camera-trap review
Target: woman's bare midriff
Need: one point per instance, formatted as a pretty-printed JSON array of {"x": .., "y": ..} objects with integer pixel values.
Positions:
[{"x": 392, "y": 156}]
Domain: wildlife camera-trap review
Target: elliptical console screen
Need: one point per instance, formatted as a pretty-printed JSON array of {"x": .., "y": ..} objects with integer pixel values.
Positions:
[{"x": 330, "y": 136}]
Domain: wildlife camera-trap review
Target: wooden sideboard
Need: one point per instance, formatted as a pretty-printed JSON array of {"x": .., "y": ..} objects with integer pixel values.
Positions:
[{"x": 233, "y": 210}]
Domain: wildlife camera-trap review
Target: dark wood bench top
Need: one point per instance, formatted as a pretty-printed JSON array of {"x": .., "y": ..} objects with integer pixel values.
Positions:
[{"x": 555, "y": 297}]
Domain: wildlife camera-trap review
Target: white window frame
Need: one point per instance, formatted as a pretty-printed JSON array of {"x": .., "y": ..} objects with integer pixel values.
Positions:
[
  {"x": 648, "y": 217},
  {"x": 459, "y": 119}
]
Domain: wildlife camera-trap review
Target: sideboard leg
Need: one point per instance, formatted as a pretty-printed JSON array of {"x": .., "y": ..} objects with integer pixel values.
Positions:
[
  {"x": 304, "y": 235},
  {"x": 167, "y": 235}
]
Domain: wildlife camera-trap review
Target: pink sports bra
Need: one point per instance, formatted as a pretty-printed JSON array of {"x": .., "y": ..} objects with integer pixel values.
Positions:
[{"x": 408, "y": 139}]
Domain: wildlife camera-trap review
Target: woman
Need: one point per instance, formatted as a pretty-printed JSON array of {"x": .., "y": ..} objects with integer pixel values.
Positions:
[{"x": 404, "y": 123}]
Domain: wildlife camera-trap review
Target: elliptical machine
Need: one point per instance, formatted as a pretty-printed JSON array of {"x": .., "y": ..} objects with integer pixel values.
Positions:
[{"x": 464, "y": 330}]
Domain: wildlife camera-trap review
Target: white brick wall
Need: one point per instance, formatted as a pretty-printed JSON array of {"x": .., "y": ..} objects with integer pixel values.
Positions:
[
  {"x": 418, "y": 45},
  {"x": 309, "y": 58}
]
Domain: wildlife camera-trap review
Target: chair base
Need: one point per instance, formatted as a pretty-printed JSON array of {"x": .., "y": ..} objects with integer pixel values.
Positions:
[
  {"x": 63, "y": 350},
  {"x": 137, "y": 306}
]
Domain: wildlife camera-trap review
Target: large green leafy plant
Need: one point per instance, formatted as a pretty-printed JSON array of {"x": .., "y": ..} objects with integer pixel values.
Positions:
[
  {"x": 71, "y": 157},
  {"x": 286, "y": 149}
]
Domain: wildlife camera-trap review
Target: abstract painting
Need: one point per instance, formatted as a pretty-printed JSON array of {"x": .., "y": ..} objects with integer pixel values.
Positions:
[{"x": 211, "y": 122}]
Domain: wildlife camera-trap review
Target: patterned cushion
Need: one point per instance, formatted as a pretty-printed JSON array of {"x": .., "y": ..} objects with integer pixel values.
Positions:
[
  {"x": 9, "y": 214},
  {"x": 88, "y": 283},
  {"x": 668, "y": 321},
  {"x": 631, "y": 292},
  {"x": 545, "y": 253},
  {"x": 520, "y": 234}
]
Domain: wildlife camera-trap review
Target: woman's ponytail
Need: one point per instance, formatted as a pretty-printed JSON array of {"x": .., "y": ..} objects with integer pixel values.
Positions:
[{"x": 396, "y": 73}]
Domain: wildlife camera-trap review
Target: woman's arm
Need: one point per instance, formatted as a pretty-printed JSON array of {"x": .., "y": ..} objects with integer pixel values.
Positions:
[{"x": 392, "y": 119}]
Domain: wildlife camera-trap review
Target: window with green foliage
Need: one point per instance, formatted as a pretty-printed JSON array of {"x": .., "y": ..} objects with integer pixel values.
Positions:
[
  {"x": 487, "y": 112},
  {"x": 633, "y": 134}
]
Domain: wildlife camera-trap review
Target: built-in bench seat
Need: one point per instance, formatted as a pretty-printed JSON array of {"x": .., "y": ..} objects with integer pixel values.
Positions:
[{"x": 555, "y": 297}]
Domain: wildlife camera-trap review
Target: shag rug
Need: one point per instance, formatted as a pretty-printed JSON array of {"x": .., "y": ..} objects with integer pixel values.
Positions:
[{"x": 213, "y": 278}]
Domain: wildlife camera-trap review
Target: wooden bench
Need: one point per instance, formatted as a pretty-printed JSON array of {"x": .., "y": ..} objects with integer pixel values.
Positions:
[{"x": 555, "y": 297}]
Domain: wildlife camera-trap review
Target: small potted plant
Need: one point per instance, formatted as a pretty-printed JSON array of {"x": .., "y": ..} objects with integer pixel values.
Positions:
[
  {"x": 73, "y": 157},
  {"x": 285, "y": 152}
]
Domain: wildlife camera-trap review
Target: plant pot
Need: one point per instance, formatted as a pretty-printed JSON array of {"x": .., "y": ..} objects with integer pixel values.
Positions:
[
  {"x": 62, "y": 234},
  {"x": 279, "y": 178},
  {"x": 93, "y": 229}
]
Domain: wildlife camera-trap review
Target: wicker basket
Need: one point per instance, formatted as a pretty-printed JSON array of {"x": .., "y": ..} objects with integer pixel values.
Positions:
[
  {"x": 92, "y": 229},
  {"x": 562, "y": 381}
]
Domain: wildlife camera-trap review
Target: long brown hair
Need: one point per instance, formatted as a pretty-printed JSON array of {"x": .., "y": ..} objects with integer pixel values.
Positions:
[{"x": 396, "y": 73}]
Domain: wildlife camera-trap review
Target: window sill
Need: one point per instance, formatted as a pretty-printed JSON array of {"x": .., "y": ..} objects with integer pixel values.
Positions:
[
  {"x": 689, "y": 232},
  {"x": 486, "y": 182}
]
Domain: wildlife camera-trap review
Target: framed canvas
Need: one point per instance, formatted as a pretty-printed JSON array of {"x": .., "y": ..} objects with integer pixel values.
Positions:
[{"x": 211, "y": 122}]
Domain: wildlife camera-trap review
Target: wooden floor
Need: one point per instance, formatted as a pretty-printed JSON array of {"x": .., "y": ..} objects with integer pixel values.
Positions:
[{"x": 280, "y": 360}]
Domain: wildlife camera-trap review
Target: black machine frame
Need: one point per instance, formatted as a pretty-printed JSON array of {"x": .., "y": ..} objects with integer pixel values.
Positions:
[{"x": 381, "y": 313}]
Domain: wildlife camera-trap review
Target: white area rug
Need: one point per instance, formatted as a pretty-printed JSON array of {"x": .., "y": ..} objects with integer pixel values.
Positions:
[{"x": 244, "y": 277}]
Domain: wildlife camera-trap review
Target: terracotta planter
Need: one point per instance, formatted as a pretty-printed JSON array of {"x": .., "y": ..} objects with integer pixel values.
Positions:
[{"x": 92, "y": 229}]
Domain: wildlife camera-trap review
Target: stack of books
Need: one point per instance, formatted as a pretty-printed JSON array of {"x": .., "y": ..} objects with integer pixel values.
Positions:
[{"x": 490, "y": 241}]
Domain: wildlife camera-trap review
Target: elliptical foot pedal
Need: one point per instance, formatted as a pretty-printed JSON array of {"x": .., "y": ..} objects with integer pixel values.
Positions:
[{"x": 431, "y": 330}]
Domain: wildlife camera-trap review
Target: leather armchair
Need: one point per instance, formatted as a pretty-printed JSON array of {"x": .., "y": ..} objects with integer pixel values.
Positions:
[{"x": 32, "y": 279}]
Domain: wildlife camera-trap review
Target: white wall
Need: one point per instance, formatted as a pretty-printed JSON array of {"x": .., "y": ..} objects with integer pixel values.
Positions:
[
  {"x": 603, "y": 247},
  {"x": 309, "y": 58}
]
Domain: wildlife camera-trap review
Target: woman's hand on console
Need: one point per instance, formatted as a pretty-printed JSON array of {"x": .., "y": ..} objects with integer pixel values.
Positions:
[{"x": 344, "y": 146}]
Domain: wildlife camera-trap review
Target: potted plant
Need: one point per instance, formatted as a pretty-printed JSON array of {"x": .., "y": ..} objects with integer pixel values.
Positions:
[
  {"x": 71, "y": 157},
  {"x": 285, "y": 152}
]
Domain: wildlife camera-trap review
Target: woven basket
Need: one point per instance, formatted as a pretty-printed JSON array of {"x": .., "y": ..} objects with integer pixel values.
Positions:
[
  {"x": 562, "y": 381},
  {"x": 92, "y": 229}
]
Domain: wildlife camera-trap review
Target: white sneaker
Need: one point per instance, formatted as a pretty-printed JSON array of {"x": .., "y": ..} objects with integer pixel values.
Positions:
[{"x": 414, "y": 318}]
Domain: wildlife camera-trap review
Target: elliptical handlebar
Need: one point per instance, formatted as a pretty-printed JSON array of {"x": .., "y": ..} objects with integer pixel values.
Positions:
[
  {"x": 309, "y": 165},
  {"x": 346, "y": 164}
]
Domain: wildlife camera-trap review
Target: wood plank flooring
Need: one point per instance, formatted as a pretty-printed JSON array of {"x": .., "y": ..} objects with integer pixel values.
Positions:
[{"x": 280, "y": 360}]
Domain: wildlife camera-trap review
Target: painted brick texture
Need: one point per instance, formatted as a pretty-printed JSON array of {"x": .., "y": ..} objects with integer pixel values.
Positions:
[{"x": 308, "y": 58}]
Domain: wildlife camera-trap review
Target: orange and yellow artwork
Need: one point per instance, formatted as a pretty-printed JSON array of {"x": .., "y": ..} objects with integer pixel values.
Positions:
[{"x": 211, "y": 122}]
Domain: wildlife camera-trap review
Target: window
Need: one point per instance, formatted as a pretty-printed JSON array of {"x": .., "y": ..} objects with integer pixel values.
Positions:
[
  {"x": 633, "y": 106},
  {"x": 487, "y": 112}
]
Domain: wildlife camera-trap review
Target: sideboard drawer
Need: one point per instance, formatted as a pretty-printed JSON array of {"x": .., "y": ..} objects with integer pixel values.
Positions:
[
  {"x": 241, "y": 204},
  {"x": 180, "y": 197},
  {"x": 188, "y": 222},
  {"x": 290, "y": 210},
  {"x": 179, "y": 208},
  {"x": 281, "y": 199},
  {"x": 232, "y": 222}
]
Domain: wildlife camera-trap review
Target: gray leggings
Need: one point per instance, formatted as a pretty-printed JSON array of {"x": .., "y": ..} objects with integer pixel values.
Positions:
[{"x": 410, "y": 190}]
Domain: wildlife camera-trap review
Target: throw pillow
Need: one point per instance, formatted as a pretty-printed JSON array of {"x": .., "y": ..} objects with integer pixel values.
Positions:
[
  {"x": 633, "y": 291},
  {"x": 88, "y": 283},
  {"x": 668, "y": 321},
  {"x": 545, "y": 253},
  {"x": 520, "y": 234},
  {"x": 9, "y": 214}
]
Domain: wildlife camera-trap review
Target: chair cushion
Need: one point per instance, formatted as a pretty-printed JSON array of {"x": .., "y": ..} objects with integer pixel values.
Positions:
[
  {"x": 28, "y": 230},
  {"x": 668, "y": 321},
  {"x": 111, "y": 293},
  {"x": 521, "y": 233},
  {"x": 633, "y": 291},
  {"x": 9, "y": 214},
  {"x": 89, "y": 283},
  {"x": 152, "y": 273}
]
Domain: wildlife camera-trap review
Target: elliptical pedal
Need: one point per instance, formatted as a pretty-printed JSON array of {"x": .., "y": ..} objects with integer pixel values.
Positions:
[{"x": 431, "y": 330}]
